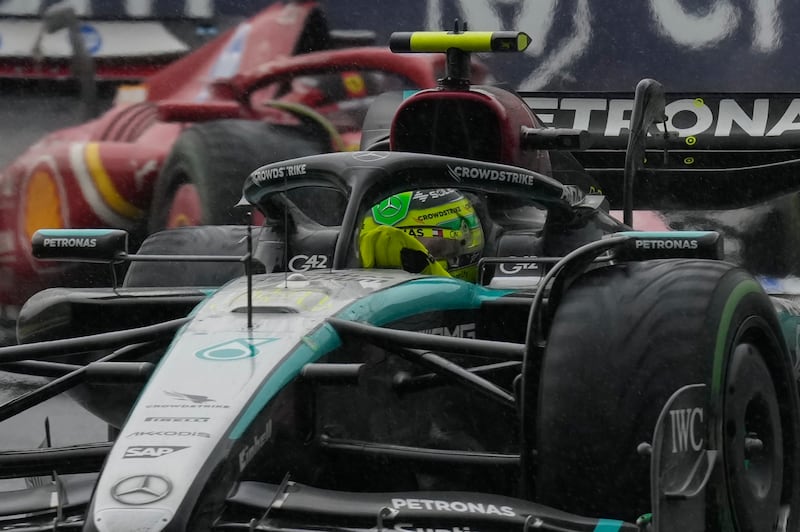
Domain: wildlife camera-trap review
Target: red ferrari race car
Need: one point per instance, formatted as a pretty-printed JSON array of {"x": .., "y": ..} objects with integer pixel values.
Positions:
[{"x": 277, "y": 86}]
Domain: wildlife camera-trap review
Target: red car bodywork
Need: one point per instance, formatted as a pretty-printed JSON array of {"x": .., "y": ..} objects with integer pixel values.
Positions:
[{"x": 102, "y": 173}]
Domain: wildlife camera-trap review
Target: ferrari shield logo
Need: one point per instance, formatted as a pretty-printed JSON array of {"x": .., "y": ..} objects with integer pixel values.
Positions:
[{"x": 234, "y": 349}]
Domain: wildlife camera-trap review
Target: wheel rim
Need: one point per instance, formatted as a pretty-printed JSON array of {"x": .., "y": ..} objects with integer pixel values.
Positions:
[
  {"x": 185, "y": 207},
  {"x": 753, "y": 440}
]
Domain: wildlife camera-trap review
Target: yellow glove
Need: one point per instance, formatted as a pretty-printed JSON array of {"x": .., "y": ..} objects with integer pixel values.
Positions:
[{"x": 388, "y": 247}]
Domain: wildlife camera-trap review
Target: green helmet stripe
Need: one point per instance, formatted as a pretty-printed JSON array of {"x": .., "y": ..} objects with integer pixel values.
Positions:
[{"x": 471, "y": 219}]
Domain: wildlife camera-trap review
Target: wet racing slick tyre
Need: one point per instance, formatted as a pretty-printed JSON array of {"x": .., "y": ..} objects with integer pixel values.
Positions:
[
  {"x": 623, "y": 340},
  {"x": 201, "y": 181}
]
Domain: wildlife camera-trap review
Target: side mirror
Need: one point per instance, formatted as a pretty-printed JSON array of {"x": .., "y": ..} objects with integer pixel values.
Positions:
[
  {"x": 58, "y": 16},
  {"x": 62, "y": 16},
  {"x": 80, "y": 245}
]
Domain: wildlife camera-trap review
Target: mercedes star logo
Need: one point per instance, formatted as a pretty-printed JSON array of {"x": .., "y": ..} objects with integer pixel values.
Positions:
[
  {"x": 391, "y": 207},
  {"x": 369, "y": 156},
  {"x": 141, "y": 489}
]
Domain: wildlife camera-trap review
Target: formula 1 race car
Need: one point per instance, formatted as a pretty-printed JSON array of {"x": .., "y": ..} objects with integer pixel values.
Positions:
[
  {"x": 279, "y": 85},
  {"x": 591, "y": 378}
]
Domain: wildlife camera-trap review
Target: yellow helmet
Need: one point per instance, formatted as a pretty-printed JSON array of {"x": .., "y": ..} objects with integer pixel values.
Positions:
[{"x": 443, "y": 220}]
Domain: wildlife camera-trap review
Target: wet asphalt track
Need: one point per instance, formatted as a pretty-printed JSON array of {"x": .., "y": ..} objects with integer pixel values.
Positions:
[{"x": 27, "y": 112}]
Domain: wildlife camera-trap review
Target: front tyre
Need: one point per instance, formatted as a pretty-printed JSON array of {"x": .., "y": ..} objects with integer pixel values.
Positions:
[{"x": 623, "y": 340}]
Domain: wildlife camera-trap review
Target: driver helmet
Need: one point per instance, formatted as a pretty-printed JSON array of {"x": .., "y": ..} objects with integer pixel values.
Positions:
[
  {"x": 443, "y": 220},
  {"x": 324, "y": 89}
]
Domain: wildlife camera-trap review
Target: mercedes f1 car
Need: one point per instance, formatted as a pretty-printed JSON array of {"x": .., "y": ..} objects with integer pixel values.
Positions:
[
  {"x": 593, "y": 378},
  {"x": 279, "y": 85}
]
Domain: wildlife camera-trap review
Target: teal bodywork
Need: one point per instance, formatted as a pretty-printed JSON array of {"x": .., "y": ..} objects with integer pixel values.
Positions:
[{"x": 379, "y": 308}]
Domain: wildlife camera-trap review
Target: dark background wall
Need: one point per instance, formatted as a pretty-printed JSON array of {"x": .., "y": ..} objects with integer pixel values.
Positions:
[{"x": 702, "y": 45}]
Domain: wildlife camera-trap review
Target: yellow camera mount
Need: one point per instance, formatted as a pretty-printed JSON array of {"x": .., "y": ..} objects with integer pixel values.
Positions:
[{"x": 458, "y": 45}]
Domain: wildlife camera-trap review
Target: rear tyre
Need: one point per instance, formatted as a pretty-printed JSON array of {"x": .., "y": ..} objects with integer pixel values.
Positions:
[
  {"x": 202, "y": 179},
  {"x": 623, "y": 340}
]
